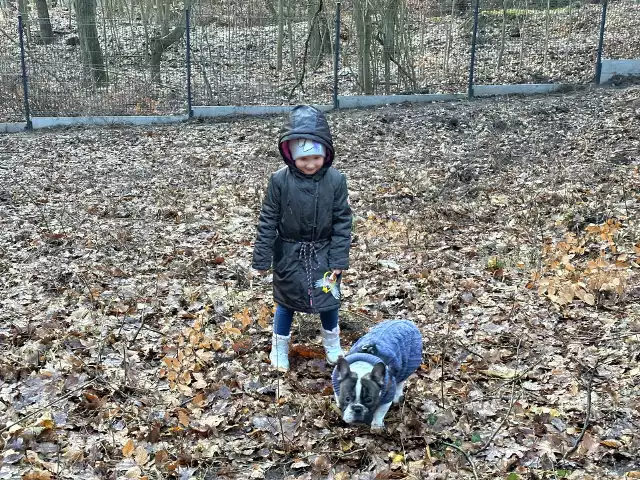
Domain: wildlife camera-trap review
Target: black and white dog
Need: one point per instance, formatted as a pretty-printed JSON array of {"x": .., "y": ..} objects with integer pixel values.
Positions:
[{"x": 371, "y": 377}]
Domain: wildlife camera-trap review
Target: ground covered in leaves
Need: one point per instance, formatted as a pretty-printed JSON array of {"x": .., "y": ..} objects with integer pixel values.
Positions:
[{"x": 135, "y": 344}]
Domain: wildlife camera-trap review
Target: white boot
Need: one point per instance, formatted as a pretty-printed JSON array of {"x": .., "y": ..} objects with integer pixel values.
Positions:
[
  {"x": 331, "y": 343},
  {"x": 279, "y": 355}
]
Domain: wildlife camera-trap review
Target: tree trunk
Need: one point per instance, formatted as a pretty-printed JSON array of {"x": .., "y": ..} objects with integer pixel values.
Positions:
[
  {"x": 503, "y": 36},
  {"x": 319, "y": 35},
  {"x": 449, "y": 45},
  {"x": 362, "y": 14},
  {"x": 46, "y": 32},
  {"x": 89, "y": 42},
  {"x": 292, "y": 52},
  {"x": 390, "y": 18},
  {"x": 546, "y": 35},
  {"x": 158, "y": 47},
  {"x": 280, "y": 35}
]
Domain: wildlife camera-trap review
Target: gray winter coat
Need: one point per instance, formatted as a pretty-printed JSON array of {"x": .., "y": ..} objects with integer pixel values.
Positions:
[{"x": 304, "y": 228}]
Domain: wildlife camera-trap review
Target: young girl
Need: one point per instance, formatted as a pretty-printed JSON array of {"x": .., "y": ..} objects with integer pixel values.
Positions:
[{"x": 305, "y": 231}]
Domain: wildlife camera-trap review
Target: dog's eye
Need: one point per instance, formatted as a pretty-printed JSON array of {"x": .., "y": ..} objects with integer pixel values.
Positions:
[
  {"x": 367, "y": 400},
  {"x": 348, "y": 399}
]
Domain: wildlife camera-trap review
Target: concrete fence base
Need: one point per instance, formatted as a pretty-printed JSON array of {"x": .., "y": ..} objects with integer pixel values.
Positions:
[{"x": 610, "y": 68}]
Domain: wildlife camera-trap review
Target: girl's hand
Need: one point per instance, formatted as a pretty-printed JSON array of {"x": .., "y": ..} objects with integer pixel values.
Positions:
[{"x": 335, "y": 274}]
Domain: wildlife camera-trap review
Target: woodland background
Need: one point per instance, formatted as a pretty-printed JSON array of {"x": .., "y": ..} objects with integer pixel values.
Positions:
[{"x": 128, "y": 57}]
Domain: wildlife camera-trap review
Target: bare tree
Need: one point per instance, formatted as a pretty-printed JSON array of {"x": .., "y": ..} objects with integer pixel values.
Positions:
[
  {"x": 503, "y": 36},
  {"x": 362, "y": 16},
  {"x": 160, "y": 43},
  {"x": 280, "y": 35},
  {"x": 46, "y": 32},
  {"x": 389, "y": 19},
  {"x": 91, "y": 52},
  {"x": 319, "y": 36}
]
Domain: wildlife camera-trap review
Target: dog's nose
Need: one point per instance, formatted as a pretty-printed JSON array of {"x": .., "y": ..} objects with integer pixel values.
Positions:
[{"x": 357, "y": 408}]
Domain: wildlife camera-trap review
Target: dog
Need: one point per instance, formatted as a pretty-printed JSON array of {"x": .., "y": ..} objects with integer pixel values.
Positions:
[{"x": 372, "y": 375}]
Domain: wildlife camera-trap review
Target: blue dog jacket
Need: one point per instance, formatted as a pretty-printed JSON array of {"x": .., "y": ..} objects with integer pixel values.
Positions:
[{"x": 396, "y": 343}]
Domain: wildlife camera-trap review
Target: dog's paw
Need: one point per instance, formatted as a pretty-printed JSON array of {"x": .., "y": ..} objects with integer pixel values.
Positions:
[
  {"x": 377, "y": 428},
  {"x": 398, "y": 400}
]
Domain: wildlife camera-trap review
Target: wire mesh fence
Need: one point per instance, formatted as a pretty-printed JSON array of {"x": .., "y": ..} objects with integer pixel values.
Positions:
[
  {"x": 11, "y": 92},
  {"x": 406, "y": 47},
  {"x": 622, "y": 31},
  {"x": 537, "y": 41},
  {"x": 257, "y": 52},
  {"x": 109, "y": 57}
]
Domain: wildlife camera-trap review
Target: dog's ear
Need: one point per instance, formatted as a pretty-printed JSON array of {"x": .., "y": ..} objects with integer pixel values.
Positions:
[
  {"x": 343, "y": 369},
  {"x": 378, "y": 373}
]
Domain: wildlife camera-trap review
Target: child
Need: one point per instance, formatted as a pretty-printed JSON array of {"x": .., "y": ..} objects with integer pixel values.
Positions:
[{"x": 305, "y": 229}]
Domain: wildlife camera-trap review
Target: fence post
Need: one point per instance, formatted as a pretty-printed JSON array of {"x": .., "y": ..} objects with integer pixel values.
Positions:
[
  {"x": 187, "y": 21},
  {"x": 336, "y": 61},
  {"x": 603, "y": 21},
  {"x": 25, "y": 83},
  {"x": 474, "y": 36}
]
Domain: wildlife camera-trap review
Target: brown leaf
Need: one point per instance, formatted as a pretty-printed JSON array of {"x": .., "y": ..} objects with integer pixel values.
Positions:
[
  {"x": 199, "y": 400},
  {"x": 242, "y": 346},
  {"x": 128, "y": 448},
  {"x": 161, "y": 457},
  {"x": 245, "y": 318},
  {"x": 91, "y": 401},
  {"x": 37, "y": 475},
  {"x": 612, "y": 443},
  {"x": 305, "y": 351},
  {"x": 264, "y": 315},
  {"x": 154, "y": 433},
  {"x": 183, "y": 418}
]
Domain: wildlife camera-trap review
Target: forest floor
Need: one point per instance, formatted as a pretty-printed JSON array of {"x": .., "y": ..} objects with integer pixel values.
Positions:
[{"x": 134, "y": 343}]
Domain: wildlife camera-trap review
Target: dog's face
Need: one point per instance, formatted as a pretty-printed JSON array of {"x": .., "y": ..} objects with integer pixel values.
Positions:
[{"x": 360, "y": 386}]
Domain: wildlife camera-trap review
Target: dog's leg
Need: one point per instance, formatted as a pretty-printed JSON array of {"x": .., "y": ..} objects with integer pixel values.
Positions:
[
  {"x": 397, "y": 398},
  {"x": 377, "y": 424}
]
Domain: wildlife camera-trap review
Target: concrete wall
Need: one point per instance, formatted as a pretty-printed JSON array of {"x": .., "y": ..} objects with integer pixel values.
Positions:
[{"x": 624, "y": 68}]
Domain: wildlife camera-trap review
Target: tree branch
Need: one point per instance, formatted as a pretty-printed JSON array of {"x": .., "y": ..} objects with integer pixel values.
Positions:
[
  {"x": 466, "y": 456},
  {"x": 587, "y": 415}
]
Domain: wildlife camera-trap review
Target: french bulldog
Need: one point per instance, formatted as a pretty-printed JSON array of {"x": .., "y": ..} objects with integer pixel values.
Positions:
[{"x": 372, "y": 375}]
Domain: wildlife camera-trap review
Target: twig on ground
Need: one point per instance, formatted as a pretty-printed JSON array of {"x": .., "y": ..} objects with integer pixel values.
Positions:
[
  {"x": 444, "y": 352},
  {"x": 466, "y": 348},
  {"x": 587, "y": 414},
  {"x": 140, "y": 327},
  {"x": 512, "y": 402},
  {"x": 39, "y": 410},
  {"x": 466, "y": 456}
]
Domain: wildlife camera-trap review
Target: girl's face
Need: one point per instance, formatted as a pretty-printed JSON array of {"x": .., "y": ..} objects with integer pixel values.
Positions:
[{"x": 310, "y": 164}]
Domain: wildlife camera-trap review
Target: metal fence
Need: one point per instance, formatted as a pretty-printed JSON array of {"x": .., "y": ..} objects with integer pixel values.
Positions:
[{"x": 124, "y": 60}]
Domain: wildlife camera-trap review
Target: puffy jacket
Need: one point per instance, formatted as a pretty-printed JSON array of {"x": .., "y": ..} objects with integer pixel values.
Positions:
[{"x": 304, "y": 229}]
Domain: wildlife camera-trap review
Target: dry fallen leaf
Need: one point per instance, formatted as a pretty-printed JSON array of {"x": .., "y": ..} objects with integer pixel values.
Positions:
[
  {"x": 37, "y": 475},
  {"x": 128, "y": 448},
  {"x": 612, "y": 443},
  {"x": 183, "y": 418},
  {"x": 141, "y": 456}
]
